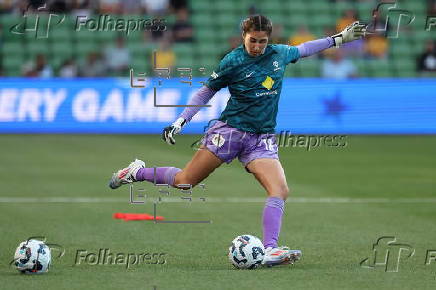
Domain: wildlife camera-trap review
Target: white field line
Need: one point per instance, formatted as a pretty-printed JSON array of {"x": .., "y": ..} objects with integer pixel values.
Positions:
[{"x": 212, "y": 200}]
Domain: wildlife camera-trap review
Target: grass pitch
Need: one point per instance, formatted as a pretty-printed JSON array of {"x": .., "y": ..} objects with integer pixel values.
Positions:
[{"x": 343, "y": 200}]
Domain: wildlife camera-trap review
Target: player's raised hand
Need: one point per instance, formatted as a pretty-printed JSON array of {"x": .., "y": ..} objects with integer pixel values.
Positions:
[
  {"x": 170, "y": 131},
  {"x": 352, "y": 32}
]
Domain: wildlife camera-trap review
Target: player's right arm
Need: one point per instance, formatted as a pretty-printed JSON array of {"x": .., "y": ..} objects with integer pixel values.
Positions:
[
  {"x": 218, "y": 79},
  {"x": 201, "y": 98}
]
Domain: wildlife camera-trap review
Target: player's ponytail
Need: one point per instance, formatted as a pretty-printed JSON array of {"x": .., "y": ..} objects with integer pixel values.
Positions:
[{"x": 256, "y": 23}]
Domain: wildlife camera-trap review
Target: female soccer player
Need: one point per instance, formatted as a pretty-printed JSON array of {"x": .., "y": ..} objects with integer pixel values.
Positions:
[{"x": 253, "y": 72}]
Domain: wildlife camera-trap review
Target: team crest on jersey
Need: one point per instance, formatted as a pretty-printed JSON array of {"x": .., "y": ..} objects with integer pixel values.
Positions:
[
  {"x": 268, "y": 82},
  {"x": 218, "y": 140},
  {"x": 276, "y": 64}
]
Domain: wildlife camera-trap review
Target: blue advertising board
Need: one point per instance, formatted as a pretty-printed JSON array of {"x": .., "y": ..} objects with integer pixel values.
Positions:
[{"x": 307, "y": 106}]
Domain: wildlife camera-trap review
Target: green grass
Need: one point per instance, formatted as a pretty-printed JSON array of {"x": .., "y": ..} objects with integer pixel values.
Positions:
[{"x": 334, "y": 237}]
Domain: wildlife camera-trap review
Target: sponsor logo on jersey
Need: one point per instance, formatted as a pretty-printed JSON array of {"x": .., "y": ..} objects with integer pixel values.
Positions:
[
  {"x": 249, "y": 74},
  {"x": 214, "y": 75},
  {"x": 266, "y": 93},
  {"x": 268, "y": 83}
]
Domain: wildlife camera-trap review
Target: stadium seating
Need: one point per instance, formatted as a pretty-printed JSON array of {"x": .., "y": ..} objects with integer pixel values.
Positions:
[{"x": 214, "y": 23}]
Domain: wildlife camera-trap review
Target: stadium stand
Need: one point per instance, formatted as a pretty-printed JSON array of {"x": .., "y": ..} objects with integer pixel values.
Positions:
[{"x": 214, "y": 24}]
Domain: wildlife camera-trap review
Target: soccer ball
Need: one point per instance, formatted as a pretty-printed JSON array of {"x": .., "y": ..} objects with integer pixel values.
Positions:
[
  {"x": 32, "y": 257},
  {"x": 246, "y": 252}
]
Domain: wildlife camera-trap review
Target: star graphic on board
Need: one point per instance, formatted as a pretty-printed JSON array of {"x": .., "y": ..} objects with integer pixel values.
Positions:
[{"x": 334, "y": 107}]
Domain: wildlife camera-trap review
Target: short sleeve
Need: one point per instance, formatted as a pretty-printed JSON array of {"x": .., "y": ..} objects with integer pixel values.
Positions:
[
  {"x": 291, "y": 53},
  {"x": 220, "y": 78}
]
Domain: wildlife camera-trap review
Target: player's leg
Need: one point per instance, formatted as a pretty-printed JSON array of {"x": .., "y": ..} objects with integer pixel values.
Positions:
[
  {"x": 260, "y": 157},
  {"x": 270, "y": 174},
  {"x": 220, "y": 139},
  {"x": 201, "y": 165}
]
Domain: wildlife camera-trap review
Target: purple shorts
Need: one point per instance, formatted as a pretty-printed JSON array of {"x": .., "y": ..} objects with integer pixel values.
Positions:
[{"x": 227, "y": 143}]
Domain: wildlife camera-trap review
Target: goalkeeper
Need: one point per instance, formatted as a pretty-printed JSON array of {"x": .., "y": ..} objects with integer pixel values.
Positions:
[{"x": 253, "y": 73}]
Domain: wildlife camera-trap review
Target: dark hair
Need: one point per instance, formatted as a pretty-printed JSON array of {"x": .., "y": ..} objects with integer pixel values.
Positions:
[{"x": 256, "y": 23}]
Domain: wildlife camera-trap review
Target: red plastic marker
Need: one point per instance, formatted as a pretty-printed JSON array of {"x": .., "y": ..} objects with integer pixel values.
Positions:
[{"x": 136, "y": 216}]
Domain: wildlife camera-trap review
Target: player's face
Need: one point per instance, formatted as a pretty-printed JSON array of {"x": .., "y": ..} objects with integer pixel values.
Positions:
[{"x": 255, "y": 42}]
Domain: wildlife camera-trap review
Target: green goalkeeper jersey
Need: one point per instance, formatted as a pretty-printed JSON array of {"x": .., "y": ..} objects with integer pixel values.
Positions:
[{"x": 254, "y": 84}]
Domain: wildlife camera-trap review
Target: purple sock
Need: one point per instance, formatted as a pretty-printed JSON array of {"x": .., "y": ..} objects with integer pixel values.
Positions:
[
  {"x": 272, "y": 221},
  {"x": 164, "y": 175}
]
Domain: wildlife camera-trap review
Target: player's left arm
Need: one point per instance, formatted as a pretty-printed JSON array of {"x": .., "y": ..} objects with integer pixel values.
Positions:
[{"x": 352, "y": 32}]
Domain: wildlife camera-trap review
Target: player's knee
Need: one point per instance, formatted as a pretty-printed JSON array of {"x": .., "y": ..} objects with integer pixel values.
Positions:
[
  {"x": 280, "y": 192},
  {"x": 184, "y": 181},
  {"x": 284, "y": 192}
]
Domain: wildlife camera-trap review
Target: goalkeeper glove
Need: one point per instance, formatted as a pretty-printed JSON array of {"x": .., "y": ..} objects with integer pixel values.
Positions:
[
  {"x": 351, "y": 32},
  {"x": 170, "y": 131}
]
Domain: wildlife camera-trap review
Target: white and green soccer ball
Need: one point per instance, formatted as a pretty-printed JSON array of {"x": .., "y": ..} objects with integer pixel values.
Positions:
[
  {"x": 246, "y": 252},
  {"x": 32, "y": 257}
]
